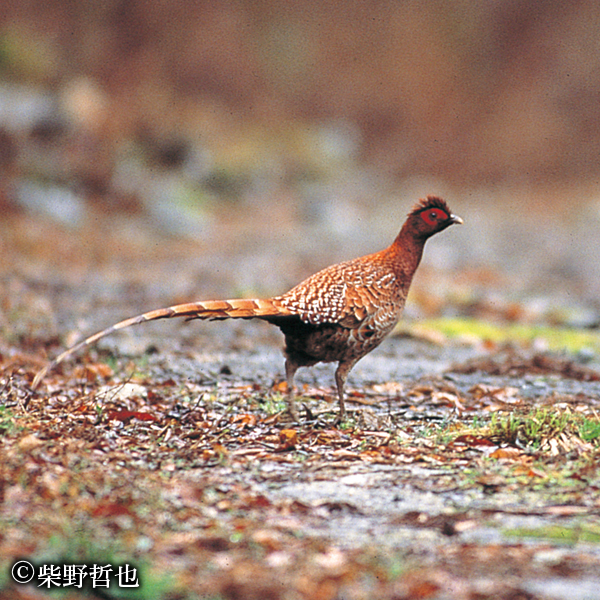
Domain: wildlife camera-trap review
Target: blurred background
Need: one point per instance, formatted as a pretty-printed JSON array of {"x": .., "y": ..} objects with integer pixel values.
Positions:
[{"x": 155, "y": 151}]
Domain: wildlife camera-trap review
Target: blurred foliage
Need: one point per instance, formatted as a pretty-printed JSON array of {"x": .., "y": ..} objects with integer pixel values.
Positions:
[{"x": 468, "y": 91}]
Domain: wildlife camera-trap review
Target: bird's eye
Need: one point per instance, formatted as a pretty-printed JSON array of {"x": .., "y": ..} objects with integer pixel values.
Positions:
[{"x": 434, "y": 216}]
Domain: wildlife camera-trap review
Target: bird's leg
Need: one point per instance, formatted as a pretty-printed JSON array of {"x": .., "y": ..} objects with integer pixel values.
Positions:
[
  {"x": 290, "y": 370},
  {"x": 341, "y": 374}
]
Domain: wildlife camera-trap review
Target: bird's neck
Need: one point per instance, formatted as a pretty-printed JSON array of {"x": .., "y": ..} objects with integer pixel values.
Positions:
[{"x": 405, "y": 253}]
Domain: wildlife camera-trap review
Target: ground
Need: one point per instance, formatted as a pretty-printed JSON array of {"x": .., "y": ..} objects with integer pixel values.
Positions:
[{"x": 468, "y": 467}]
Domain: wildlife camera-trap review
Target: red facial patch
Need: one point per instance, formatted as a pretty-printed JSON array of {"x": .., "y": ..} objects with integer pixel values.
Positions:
[{"x": 433, "y": 216}]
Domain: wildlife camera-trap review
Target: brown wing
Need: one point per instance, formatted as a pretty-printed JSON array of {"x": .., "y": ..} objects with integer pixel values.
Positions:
[{"x": 345, "y": 293}]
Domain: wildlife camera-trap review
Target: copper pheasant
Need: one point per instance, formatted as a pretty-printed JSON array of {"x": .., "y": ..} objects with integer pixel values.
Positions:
[{"x": 337, "y": 315}]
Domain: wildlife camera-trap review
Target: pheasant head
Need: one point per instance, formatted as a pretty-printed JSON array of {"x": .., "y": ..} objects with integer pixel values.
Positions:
[{"x": 429, "y": 216}]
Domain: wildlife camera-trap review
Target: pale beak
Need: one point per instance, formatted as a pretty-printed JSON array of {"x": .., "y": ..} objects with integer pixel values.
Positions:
[{"x": 456, "y": 220}]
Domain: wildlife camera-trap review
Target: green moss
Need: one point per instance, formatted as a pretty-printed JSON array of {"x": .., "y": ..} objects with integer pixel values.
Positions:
[
  {"x": 556, "y": 338},
  {"x": 273, "y": 403},
  {"x": 589, "y": 430},
  {"x": 8, "y": 422},
  {"x": 570, "y": 535}
]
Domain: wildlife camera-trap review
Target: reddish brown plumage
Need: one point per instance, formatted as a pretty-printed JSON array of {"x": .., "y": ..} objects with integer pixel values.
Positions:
[{"x": 337, "y": 315}]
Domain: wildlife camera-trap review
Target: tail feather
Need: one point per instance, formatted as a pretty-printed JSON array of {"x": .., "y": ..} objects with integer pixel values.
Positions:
[{"x": 208, "y": 310}]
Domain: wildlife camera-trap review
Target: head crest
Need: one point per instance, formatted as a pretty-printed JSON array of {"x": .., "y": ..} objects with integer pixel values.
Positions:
[{"x": 430, "y": 202}]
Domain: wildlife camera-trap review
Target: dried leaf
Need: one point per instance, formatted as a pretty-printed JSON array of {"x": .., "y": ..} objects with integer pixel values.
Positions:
[
  {"x": 93, "y": 371},
  {"x": 288, "y": 439},
  {"x": 126, "y": 415},
  {"x": 506, "y": 453},
  {"x": 471, "y": 440},
  {"x": 29, "y": 442}
]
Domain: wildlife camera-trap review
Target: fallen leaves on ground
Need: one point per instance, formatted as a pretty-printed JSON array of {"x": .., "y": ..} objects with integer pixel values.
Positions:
[
  {"x": 516, "y": 364},
  {"x": 178, "y": 479}
]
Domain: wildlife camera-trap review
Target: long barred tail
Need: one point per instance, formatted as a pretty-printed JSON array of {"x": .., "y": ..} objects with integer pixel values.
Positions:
[{"x": 209, "y": 310}]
